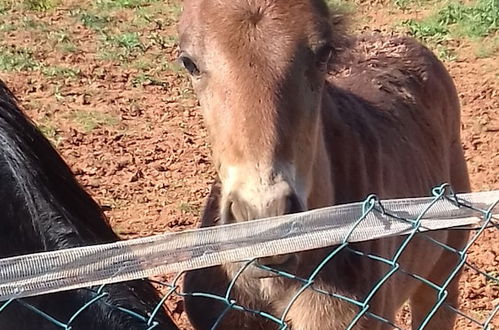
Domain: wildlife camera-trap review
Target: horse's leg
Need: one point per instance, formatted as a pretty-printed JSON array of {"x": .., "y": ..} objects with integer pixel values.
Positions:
[
  {"x": 425, "y": 298},
  {"x": 204, "y": 312},
  {"x": 313, "y": 309}
]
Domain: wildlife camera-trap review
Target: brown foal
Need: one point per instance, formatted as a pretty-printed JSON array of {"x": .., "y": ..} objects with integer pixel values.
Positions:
[{"x": 301, "y": 116}]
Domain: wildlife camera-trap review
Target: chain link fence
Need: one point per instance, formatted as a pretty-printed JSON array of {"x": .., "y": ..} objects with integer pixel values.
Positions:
[{"x": 485, "y": 317}]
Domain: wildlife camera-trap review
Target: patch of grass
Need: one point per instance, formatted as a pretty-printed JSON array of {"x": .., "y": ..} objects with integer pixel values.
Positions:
[
  {"x": 8, "y": 5},
  {"x": 94, "y": 21},
  {"x": 474, "y": 21},
  {"x": 142, "y": 64},
  {"x": 128, "y": 41},
  {"x": 429, "y": 31},
  {"x": 40, "y": 5},
  {"x": 343, "y": 6},
  {"x": 60, "y": 72},
  {"x": 17, "y": 59},
  {"x": 160, "y": 13},
  {"x": 118, "y": 4},
  {"x": 5, "y": 6},
  {"x": 35, "y": 25},
  {"x": 162, "y": 41},
  {"x": 122, "y": 47},
  {"x": 110, "y": 55},
  {"x": 173, "y": 67},
  {"x": 174, "y": 11},
  {"x": 406, "y": 4},
  {"x": 68, "y": 47},
  {"x": 434, "y": 36},
  {"x": 494, "y": 281},
  {"x": 50, "y": 132},
  {"x": 7, "y": 27},
  {"x": 90, "y": 120},
  {"x": 445, "y": 53},
  {"x": 21, "y": 59},
  {"x": 457, "y": 20},
  {"x": 186, "y": 93},
  {"x": 480, "y": 314},
  {"x": 188, "y": 208},
  {"x": 58, "y": 93},
  {"x": 487, "y": 47},
  {"x": 63, "y": 41},
  {"x": 143, "y": 79}
]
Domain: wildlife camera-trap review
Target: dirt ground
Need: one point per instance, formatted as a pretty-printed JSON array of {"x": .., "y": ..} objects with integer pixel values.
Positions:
[{"x": 132, "y": 132}]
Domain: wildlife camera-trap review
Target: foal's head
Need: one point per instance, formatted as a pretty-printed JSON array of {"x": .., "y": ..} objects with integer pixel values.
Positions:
[{"x": 258, "y": 68}]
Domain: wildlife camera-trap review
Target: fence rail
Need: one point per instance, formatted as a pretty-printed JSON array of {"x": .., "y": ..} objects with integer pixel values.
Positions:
[{"x": 100, "y": 265}]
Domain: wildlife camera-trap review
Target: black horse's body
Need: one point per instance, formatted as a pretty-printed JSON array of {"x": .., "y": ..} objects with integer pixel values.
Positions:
[{"x": 43, "y": 208}]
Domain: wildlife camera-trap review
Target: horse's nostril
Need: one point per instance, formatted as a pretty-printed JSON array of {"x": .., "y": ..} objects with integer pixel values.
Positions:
[
  {"x": 293, "y": 204},
  {"x": 237, "y": 210}
]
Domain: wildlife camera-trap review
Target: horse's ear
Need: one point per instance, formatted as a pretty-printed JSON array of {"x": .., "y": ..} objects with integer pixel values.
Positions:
[{"x": 211, "y": 212}]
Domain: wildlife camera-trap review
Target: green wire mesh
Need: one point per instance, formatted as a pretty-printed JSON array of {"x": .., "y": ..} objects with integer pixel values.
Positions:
[{"x": 483, "y": 321}]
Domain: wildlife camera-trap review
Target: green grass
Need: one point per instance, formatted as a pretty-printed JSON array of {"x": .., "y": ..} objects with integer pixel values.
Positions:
[
  {"x": 129, "y": 41},
  {"x": 6, "y": 27},
  {"x": 160, "y": 13},
  {"x": 50, "y": 132},
  {"x": 343, "y": 6},
  {"x": 476, "y": 21},
  {"x": 40, "y": 5},
  {"x": 456, "y": 21},
  {"x": 487, "y": 47},
  {"x": 60, "y": 72},
  {"x": 22, "y": 59},
  {"x": 90, "y": 120},
  {"x": 143, "y": 79},
  {"x": 119, "y": 4},
  {"x": 142, "y": 64},
  {"x": 67, "y": 47},
  {"x": 94, "y": 21},
  {"x": 188, "y": 208},
  {"x": 174, "y": 11},
  {"x": 17, "y": 59},
  {"x": 162, "y": 41},
  {"x": 428, "y": 31},
  {"x": 480, "y": 314},
  {"x": 173, "y": 67},
  {"x": 124, "y": 47},
  {"x": 406, "y": 4},
  {"x": 5, "y": 6},
  {"x": 473, "y": 21},
  {"x": 495, "y": 280},
  {"x": 34, "y": 24},
  {"x": 62, "y": 41}
]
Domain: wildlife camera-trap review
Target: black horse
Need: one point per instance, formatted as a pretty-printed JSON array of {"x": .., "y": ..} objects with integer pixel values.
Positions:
[{"x": 44, "y": 208}]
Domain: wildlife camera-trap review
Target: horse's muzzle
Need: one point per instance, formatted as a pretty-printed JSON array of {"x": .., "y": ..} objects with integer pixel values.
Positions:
[{"x": 239, "y": 210}]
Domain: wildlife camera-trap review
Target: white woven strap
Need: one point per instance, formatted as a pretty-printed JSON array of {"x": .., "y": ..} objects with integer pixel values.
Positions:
[{"x": 61, "y": 270}]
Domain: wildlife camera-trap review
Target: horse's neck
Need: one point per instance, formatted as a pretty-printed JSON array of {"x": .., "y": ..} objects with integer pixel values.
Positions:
[
  {"x": 339, "y": 173},
  {"x": 321, "y": 193}
]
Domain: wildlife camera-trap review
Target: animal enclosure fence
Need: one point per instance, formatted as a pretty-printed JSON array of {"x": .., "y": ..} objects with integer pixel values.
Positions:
[{"x": 338, "y": 226}]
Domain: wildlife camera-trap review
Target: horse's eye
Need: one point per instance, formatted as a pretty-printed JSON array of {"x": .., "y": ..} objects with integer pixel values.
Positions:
[
  {"x": 323, "y": 55},
  {"x": 189, "y": 65}
]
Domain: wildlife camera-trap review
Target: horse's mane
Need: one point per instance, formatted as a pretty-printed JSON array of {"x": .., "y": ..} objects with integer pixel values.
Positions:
[{"x": 35, "y": 177}]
